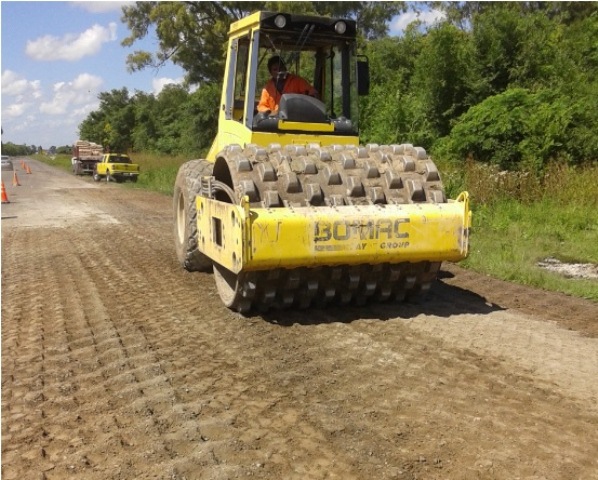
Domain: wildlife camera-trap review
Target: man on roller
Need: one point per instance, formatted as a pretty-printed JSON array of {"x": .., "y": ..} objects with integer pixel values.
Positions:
[{"x": 281, "y": 82}]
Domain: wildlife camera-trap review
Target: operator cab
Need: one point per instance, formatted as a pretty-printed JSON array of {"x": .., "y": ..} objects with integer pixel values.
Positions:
[{"x": 321, "y": 50}]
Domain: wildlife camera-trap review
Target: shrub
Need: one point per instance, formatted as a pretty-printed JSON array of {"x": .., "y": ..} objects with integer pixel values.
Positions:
[{"x": 515, "y": 129}]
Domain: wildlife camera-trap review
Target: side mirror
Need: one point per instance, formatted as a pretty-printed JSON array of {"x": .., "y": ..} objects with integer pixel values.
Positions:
[{"x": 363, "y": 77}]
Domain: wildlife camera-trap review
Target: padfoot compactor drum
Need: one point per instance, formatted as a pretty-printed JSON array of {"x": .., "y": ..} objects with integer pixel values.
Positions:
[{"x": 288, "y": 209}]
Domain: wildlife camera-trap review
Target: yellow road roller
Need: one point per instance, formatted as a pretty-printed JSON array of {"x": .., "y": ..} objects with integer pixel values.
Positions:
[{"x": 287, "y": 208}]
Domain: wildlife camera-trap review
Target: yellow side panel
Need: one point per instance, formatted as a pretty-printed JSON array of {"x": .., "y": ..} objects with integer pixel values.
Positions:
[
  {"x": 262, "y": 138},
  {"x": 259, "y": 239},
  {"x": 309, "y": 127}
]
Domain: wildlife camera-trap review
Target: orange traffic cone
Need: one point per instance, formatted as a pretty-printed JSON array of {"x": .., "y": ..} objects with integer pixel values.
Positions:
[
  {"x": 4, "y": 196},
  {"x": 27, "y": 169},
  {"x": 15, "y": 180}
]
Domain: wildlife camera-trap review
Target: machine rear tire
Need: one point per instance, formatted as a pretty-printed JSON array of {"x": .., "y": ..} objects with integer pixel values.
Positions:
[{"x": 186, "y": 188}]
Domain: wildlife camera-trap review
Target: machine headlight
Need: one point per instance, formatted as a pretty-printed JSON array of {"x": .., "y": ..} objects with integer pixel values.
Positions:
[
  {"x": 340, "y": 27},
  {"x": 280, "y": 21}
]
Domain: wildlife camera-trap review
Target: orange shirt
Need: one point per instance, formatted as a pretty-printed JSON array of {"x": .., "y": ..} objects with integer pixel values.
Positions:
[{"x": 271, "y": 97}]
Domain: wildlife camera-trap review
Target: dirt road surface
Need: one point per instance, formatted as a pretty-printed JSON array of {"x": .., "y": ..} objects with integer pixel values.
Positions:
[{"x": 118, "y": 364}]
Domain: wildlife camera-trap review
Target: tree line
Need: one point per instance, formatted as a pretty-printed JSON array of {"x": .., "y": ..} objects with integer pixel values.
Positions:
[
  {"x": 13, "y": 150},
  {"x": 513, "y": 84}
]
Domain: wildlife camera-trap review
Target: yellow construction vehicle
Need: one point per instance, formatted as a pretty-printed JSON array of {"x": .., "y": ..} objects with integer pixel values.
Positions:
[{"x": 287, "y": 208}]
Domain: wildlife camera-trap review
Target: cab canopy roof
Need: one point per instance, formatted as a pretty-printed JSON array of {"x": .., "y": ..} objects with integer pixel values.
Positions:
[{"x": 279, "y": 23}]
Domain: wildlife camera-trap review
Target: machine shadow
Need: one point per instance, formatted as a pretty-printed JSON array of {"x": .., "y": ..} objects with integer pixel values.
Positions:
[{"x": 443, "y": 300}]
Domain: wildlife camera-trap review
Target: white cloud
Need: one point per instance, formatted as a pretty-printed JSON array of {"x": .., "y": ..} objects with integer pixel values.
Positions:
[
  {"x": 158, "y": 84},
  {"x": 86, "y": 81},
  {"x": 46, "y": 115},
  {"x": 71, "y": 47},
  {"x": 401, "y": 22},
  {"x": 101, "y": 7},
  {"x": 15, "y": 85},
  {"x": 14, "y": 110},
  {"x": 80, "y": 95}
]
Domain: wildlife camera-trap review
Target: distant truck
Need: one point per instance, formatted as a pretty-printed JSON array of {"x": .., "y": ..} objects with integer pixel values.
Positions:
[
  {"x": 116, "y": 167},
  {"x": 85, "y": 157}
]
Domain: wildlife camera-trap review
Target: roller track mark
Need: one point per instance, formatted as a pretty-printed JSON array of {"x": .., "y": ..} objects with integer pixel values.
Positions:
[
  {"x": 131, "y": 371},
  {"x": 360, "y": 392},
  {"x": 97, "y": 348},
  {"x": 47, "y": 375}
]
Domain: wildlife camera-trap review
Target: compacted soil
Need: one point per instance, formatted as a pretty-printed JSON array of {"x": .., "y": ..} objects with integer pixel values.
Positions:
[{"x": 118, "y": 364}]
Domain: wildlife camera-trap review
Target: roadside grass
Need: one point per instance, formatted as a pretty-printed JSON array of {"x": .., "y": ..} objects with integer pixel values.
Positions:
[
  {"x": 60, "y": 161},
  {"x": 158, "y": 173},
  {"x": 519, "y": 218}
]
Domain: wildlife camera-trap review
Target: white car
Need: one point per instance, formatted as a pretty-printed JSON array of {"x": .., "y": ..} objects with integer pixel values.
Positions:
[{"x": 6, "y": 163}]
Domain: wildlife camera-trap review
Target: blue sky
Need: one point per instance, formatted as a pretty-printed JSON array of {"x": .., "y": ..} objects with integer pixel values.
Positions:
[{"x": 57, "y": 56}]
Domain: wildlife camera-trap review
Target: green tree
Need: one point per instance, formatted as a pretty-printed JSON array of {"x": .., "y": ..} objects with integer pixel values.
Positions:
[
  {"x": 442, "y": 76},
  {"x": 111, "y": 125},
  {"x": 200, "y": 128},
  {"x": 14, "y": 150},
  {"x": 391, "y": 113},
  {"x": 91, "y": 127},
  {"x": 170, "y": 105},
  {"x": 465, "y": 14},
  {"x": 145, "y": 129},
  {"x": 176, "y": 121},
  {"x": 119, "y": 119},
  {"x": 496, "y": 39}
]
